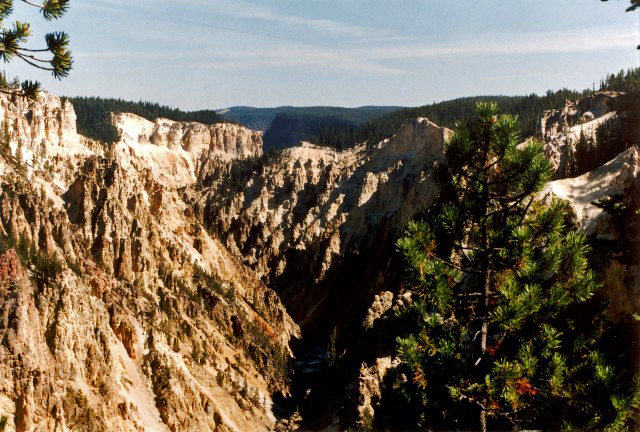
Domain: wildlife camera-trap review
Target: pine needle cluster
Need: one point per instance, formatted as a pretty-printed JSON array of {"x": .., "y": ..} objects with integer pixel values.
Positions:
[{"x": 55, "y": 57}]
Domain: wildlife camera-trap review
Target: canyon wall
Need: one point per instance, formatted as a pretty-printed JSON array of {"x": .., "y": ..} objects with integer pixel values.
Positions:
[{"x": 119, "y": 311}]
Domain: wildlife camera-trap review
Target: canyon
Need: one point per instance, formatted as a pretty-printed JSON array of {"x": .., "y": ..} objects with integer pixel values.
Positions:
[{"x": 193, "y": 273}]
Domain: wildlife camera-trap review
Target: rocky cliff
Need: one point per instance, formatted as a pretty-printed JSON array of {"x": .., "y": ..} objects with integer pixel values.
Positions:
[
  {"x": 620, "y": 176},
  {"x": 374, "y": 377},
  {"x": 177, "y": 151},
  {"x": 119, "y": 311},
  {"x": 309, "y": 218},
  {"x": 561, "y": 129}
]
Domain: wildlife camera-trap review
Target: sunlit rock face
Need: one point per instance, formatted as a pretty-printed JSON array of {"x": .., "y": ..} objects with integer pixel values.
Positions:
[
  {"x": 560, "y": 129},
  {"x": 305, "y": 217},
  {"x": 177, "y": 151},
  {"x": 148, "y": 323}
]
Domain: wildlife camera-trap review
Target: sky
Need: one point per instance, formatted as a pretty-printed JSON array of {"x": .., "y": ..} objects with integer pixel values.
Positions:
[{"x": 210, "y": 54}]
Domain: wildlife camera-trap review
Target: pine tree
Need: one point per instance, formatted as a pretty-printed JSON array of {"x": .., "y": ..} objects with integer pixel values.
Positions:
[
  {"x": 570, "y": 168},
  {"x": 5, "y": 139},
  {"x": 583, "y": 163},
  {"x": 493, "y": 339},
  {"x": 13, "y": 41},
  {"x": 43, "y": 151},
  {"x": 19, "y": 155}
]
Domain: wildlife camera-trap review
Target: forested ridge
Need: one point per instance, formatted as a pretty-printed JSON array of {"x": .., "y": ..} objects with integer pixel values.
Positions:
[
  {"x": 290, "y": 127},
  {"x": 343, "y": 127},
  {"x": 94, "y": 115},
  {"x": 448, "y": 113},
  {"x": 254, "y": 118},
  {"x": 611, "y": 139}
]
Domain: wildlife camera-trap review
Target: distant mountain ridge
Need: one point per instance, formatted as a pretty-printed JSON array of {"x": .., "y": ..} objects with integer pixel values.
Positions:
[
  {"x": 286, "y": 126},
  {"x": 251, "y": 117},
  {"x": 261, "y": 118}
]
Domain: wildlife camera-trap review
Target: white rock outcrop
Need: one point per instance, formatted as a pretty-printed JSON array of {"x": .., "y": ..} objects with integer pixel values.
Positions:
[
  {"x": 614, "y": 177},
  {"x": 175, "y": 151},
  {"x": 560, "y": 129}
]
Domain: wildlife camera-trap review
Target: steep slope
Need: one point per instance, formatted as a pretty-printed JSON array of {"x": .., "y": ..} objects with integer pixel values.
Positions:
[
  {"x": 620, "y": 273},
  {"x": 143, "y": 285},
  {"x": 615, "y": 177},
  {"x": 94, "y": 115},
  {"x": 119, "y": 311},
  {"x": 310, "y": 216},
  {"x": 373, "y": 371},
  {"x": 176, "y": 151},
  {"x": 261, "y": 119},
  {"x": 561, "y": 129}
]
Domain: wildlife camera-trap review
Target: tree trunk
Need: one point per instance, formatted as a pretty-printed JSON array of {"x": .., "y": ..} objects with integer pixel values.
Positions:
[
  {"x": 483, "y": 420},
  {"x": 487, "y": 275},
  {"x": 484, "y": 334}
]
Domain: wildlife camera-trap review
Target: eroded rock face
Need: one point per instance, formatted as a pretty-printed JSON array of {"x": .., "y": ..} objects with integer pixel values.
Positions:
[
  {"x": 615, "y": 177},
  {"x": 560, "y": 129},
  {"x": 309, "y": 219},
  {"x": 370, "y": 385},
  {"x": 49, "y": 120},
  {"x": 146, "y": 322},
  {"x": 177, "y": 152},
  {"x": 222, "y": 140}
]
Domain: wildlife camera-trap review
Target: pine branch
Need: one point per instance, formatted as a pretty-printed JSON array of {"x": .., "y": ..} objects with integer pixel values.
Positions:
[
  {"x": 39, "y": 6},
  {"x": 33, "y": 50},
  {"x": 446, "y": 262},
  {"x": 21, "y": 56},
  {"x": 13, "y": 93}
]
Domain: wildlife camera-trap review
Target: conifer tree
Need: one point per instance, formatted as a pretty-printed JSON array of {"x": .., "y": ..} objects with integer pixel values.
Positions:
[
  {"x": 583, "y": 163},
  {"x": 5, "y": 138},
  {"x": 55, "y": 57},
  {"x": 492, "y": 339},
  {"x": 570, "y": 169},
  {"x": 19, "y": 155}
]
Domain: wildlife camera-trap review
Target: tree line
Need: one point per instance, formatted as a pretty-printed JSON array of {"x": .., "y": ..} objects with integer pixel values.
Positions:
[
  {"x": 610, "y": 139},
  {"x": 94, "y": 115},
  {"x": 448, "y": 113}
]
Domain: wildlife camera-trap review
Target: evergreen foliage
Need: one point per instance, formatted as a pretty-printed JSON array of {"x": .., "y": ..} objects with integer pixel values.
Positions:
[
  {"x": 527, "y": 108},
  {"x": 624, "y": 81},
  {"x": 94, "y": 115},
  {"x": 612, "y": 137},
  {"x": 291, "y": 126},
  {"x": 447, "y": 114},
  {"x": 13, "y": 41},
  {"x": 504, "y": 332},
  {"x": 624, "y": 210},
  {"x": 635, "y": 4},
  {"x": 45, "y": 267},
  {"x": 251, "y": 117}
]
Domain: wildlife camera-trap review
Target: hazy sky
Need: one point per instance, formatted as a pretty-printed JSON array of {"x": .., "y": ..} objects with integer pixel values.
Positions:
[{"x": 197, "y": 54}]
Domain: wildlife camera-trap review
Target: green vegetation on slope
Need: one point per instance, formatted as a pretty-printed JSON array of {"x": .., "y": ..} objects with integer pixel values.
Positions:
[
  {"x": 262, "y": 118},
  {"x": 506, "y": 331},
  {"x": 292, "y": 126},
  {"x": 254, "y": 118},
  {"x": 447, "y": 113},
  {"x": 94, "y": 115},
  {"x": 527, "y": 108}
]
